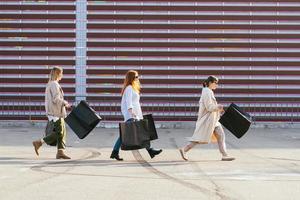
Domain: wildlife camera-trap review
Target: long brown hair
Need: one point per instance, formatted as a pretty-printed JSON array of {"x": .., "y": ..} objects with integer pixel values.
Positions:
[
  {"x": 130, "y": 80},
  {"x": 54, "y": 73}
]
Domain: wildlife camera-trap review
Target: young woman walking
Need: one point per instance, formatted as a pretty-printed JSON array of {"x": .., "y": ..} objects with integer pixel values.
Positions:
[
  {"x": 131, "y": 109},
  {"x": 208, "y": 121},
  {"x": 56, "y": 112}
]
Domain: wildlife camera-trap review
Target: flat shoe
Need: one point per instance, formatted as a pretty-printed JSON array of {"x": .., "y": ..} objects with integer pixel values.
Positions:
[
  {"x": 183, "y": 155},
  {"x": 227, "y": 158}
]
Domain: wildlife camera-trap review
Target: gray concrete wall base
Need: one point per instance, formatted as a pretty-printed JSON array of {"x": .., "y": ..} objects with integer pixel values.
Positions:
[{"x": 159, "y": 125}]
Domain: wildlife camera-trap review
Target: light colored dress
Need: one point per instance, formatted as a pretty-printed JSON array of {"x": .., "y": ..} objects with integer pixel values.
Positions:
[
  {"x": 208, "y": 117},
  {"x": 131, "y": 99}
]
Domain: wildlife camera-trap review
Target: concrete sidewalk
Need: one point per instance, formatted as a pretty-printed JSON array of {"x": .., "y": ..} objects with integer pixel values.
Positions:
[{"x": 267, "y": 167}]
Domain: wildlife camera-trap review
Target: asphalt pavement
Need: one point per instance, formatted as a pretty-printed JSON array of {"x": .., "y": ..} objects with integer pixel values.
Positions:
[{"x": 267, "y": 166}]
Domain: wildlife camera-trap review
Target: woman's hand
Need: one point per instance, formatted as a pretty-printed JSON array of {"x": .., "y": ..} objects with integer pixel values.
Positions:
[
  {"x": 132, "y": 113},
  {"x": 220, "y": 108},
  {"x": 67, "y": 105}
]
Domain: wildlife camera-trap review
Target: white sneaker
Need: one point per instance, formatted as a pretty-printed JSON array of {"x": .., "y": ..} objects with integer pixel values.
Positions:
[
  {"x": 227, "y": 158},
  {"x": 183, "y": 155}
]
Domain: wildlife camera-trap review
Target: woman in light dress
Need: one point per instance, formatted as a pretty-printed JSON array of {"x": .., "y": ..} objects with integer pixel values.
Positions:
[{"x": 208, "y": 121}]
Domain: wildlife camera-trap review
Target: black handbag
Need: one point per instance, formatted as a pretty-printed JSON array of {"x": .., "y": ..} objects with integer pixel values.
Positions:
[
  {"x": 50, "y": 129},
  {"x": 236, "y": 120},
  {"x": 82, "y": 119},
  {"x": 134, "y": 135},
  {"x": 151, "y": 127}
]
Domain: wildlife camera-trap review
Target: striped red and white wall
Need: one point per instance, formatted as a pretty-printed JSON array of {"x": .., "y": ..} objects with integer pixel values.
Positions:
[{"x": 253, "y": 46}]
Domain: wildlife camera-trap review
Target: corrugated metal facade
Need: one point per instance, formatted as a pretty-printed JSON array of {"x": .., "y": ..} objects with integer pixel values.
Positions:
[
  {"x": 34, "y": 36},
  {"x": 253, "y": 46}
]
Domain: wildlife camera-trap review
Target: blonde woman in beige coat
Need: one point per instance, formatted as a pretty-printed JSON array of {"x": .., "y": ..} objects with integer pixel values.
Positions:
[
  {"x": 55, "y": 106},
  {"x": 208, "y": 121}
]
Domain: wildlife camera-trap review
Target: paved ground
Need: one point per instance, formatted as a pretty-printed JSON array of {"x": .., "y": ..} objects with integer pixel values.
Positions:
[{"x": 267, "y": 167}]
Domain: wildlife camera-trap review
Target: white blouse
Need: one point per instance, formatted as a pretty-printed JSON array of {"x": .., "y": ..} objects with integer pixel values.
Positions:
[{"x": 131, "y": 99}]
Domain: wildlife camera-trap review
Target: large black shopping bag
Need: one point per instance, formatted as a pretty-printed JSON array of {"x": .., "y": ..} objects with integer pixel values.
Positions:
[
  {"x": 134, "y": 135},
  {"x": 236, "y": 120},
  {"x": 82, "y": 119},
  {"x": 151, "y": 127}
]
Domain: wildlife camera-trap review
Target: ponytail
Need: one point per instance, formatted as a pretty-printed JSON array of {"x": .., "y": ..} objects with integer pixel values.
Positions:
[
  {"x": 54, "y": 73},
  {"x": 209, "y": 80}
]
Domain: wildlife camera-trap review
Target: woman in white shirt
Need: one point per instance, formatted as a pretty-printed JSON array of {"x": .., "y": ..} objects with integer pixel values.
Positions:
[
  {"x": 131, "y": 109},
  {"x": 208, "y": 121}
]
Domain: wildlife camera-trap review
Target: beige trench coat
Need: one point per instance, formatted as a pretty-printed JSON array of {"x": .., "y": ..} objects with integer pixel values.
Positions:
[{"x": 208, "y": 117}]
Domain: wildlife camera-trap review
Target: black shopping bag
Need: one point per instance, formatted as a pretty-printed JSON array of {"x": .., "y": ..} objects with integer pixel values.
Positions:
[
  {"x": 151, "y": 127},
  {"x": 134, "y": 135},
  {"x": 82, "y": 119},
  {"x": 236, "y": 120},
  {"x": 50, "y": 129}
]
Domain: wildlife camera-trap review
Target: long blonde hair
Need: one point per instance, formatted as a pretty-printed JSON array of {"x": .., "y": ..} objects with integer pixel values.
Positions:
[
  {"x": 54, "y": 73},
  {"x": 130, "y": 80}
]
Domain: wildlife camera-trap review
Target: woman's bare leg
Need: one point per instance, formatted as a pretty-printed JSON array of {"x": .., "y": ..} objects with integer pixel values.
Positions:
[
  {"x": 189, "y": 146},
  {"x": 186, "y": 149},
  {"x": 220, "y": 135}
]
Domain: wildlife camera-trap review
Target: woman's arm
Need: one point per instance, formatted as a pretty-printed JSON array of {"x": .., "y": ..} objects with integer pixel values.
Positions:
[
  {"x": 56, "y": 95},
  {"x": 132, "y": 113},
  {"x": 209, "y": 102}
]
